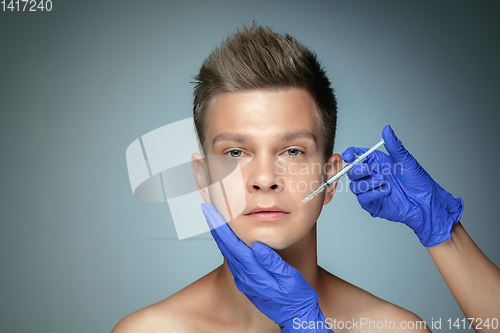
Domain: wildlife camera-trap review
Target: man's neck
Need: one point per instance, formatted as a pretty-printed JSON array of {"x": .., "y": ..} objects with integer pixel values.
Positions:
[{"x": 302, "y": 255}]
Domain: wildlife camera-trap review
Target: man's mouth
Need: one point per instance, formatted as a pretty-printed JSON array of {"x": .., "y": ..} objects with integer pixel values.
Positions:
[{"x": 273, "y": 212}]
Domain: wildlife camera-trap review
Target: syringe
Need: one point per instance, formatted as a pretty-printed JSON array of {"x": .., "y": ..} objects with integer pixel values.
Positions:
[{"x": 339, "y": 174}]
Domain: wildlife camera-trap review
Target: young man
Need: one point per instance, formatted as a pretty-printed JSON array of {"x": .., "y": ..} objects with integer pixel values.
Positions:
[{"x": 263, "y": 99}]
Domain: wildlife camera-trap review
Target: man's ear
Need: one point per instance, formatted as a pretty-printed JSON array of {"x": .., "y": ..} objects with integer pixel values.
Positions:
[
  {"x": 200, "y": 172},
  {"x": 334, "y": 165}
]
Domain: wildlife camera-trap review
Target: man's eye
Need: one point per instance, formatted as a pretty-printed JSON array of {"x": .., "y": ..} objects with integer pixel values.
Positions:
[
  {"x": 235, "y": 153},
  {"x": 294, "y": 152}
]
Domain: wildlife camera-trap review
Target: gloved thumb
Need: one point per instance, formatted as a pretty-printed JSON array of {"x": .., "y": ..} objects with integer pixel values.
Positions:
[
  {"x": 269, "y": 259},
  {"x": 395, "y": 148}
]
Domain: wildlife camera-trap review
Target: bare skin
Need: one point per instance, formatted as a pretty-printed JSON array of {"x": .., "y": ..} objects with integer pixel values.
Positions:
[
  {"x": 213, "y": 303},
  {"x": 472, "y": 278}
]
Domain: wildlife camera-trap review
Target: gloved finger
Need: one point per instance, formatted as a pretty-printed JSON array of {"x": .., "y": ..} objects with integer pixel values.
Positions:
[
  {"x": 245, "y": 289},
  {"x": 284, "y": 274},
  {"x": 359, "y": 171},
  {"x": 372, "y": 201},
  {"x": 222, "y": 247},
  {"x": 366, "y": 184},
  {"x": 233, "y": 270},
  {"x": 214, "y": 220},
  {"x": 243, "y": 278},
  {"x": 210, "y": 220},
  {"x": 352, "y": 153},
  {"x": 349, "y": 155},
  {"x": 220, "y": 244},
  {"x": 259, "y": 283},
  {"x": 227, "y": 241},
  {"x": 232, "y": 248},
  {"x": 248, "y": 270},
  {"x": 235, "y": 266},
  {"x": 246, "y": 266},
  {"x": 375, "y": 193},
  {"x": 269, "y": 259},
  {"x": 243, "y": 285},
  {"x": 396, "y": 150}
]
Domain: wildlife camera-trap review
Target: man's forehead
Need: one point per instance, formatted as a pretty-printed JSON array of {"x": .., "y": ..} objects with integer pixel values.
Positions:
[{"x": 246, "y": 116}]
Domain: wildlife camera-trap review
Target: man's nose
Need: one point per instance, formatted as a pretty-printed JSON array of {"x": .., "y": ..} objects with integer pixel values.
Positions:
[{"x": 264, "y": 175}]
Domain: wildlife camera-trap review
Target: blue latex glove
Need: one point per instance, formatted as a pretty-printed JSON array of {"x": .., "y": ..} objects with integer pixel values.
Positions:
[
  {"x": 275, "y": 288},
  {"x": 395, "y": 187}
]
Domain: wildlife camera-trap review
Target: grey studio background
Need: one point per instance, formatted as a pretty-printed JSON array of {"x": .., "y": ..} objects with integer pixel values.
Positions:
[{"x": 80, "y": 83}]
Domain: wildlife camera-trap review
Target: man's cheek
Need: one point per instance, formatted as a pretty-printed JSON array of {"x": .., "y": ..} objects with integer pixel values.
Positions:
[
  {"x": 227, "y": 191},
  {"x": 298, "y": 177},
  {"x": 301, "y": 185},
  {"x": 242, "y": 231}
]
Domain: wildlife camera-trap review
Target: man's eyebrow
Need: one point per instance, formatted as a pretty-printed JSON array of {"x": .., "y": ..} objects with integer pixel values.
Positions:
[
  {"x": 289, "y": 136},
  {"x": 230, "y": 137},
  {"x": 298, "y": 134}
]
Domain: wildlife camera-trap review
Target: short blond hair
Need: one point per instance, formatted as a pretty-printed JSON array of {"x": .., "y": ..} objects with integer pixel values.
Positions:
[{"x": 258, "y": 58}]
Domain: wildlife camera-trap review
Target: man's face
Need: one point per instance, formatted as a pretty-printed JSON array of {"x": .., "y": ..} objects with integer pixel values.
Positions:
[{"x": 276, "y": 139}]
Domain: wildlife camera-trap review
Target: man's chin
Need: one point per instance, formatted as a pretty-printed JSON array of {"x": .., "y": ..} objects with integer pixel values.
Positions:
[
  {"x": 275, "y": 238},
  {"x": 274, "y": 243}
]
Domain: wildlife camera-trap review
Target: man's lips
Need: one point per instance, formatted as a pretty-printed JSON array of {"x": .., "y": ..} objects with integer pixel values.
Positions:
[{"x": 267, "y": 213}]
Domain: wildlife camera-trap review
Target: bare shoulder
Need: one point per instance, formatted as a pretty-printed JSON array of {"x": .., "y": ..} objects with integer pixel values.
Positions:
[
  {"x": 148, "y": 320},
  {"x": 173, "y": 314},
  {"x": 356, "y": 310}
]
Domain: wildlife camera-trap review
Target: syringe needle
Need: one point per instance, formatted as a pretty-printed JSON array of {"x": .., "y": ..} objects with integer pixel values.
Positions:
[{"x": 341, "y": 172}]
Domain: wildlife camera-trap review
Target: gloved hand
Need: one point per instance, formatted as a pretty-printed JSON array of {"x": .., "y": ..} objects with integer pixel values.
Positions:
[
  {"x": 395, "y": 187},
  {"x": 275, "y": 288}
]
